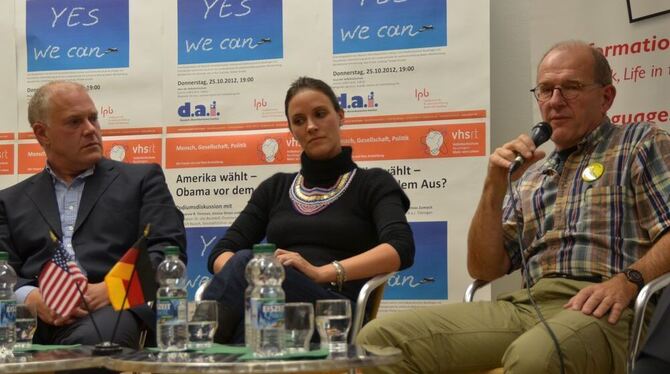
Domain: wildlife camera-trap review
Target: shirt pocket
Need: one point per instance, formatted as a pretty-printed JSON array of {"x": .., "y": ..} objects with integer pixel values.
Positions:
[{"x": 601, "y": 211}]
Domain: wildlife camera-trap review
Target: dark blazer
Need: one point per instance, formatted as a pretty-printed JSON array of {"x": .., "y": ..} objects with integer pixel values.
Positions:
[{"x": 117, "y": 202}]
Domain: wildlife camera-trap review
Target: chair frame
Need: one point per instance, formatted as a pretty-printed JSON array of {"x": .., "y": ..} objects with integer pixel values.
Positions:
[
  {"x": 643, "y": 298},
  {"x": 640, "y": 307},
  {"x": 374, "y": 286},
  {"x": 145, "y": 330},
  {"x": 199, "y": 291}
]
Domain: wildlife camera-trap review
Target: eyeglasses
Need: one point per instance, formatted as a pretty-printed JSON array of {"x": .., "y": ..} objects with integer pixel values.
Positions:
[{"x": 569, "y": 91}]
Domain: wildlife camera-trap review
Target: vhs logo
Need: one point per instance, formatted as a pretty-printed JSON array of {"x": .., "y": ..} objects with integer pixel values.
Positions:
[{"x": 198, "y": 111}]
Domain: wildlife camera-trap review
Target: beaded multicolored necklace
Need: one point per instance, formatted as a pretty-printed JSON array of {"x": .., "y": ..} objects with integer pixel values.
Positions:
[{"x": 309, "y": 201}]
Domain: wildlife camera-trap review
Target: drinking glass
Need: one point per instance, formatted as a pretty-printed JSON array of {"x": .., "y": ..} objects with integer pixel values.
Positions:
[
  {"x": 26, "y": 324},
  {"x": 203, "y": 324},
  {"x": 299, "y": 326},
  {"x": 333, "y": 320}
]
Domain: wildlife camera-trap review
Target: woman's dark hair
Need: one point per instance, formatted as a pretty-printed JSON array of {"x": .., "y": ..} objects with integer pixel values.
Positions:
[{"x": 307, "y": 83}]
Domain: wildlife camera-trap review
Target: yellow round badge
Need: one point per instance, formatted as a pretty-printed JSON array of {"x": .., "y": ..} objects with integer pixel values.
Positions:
[{"x": 593, "y": 172}]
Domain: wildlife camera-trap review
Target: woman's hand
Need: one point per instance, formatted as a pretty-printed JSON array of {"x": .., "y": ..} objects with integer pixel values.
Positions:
[
  {"x": 378, "y": 260},
  {"x": 288, "y": 258}
]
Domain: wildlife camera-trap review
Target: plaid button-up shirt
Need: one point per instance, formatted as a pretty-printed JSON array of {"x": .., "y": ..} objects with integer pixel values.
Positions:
[{"x": 584, "y": 228}]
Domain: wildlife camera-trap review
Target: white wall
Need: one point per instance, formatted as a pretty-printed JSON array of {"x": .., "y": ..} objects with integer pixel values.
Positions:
[{"x": 511, "y": 103}]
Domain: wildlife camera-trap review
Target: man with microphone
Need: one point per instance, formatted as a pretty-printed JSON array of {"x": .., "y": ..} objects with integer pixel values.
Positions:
[{"x": 586, "y": 224}]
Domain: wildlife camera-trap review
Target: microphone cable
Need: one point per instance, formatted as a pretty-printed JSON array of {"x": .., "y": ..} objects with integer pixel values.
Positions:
[{"x": 524, "y": 271}]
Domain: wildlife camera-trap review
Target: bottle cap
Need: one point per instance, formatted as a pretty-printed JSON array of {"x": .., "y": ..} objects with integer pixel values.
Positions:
[
  {"x": 4, "y": 256},
  {"x": 264, "y": 248},
  {"x": 171, "y": 250}
]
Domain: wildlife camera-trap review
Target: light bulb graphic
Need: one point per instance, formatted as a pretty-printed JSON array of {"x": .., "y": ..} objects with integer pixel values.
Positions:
[
  {"x": 270, "y": 147},
  {"x": 434, "y": 141},
  {"x": 118, "y": 152}
]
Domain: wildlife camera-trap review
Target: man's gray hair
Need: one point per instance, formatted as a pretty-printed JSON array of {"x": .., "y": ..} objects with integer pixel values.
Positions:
[
  {"x": 38, "y": 106},
  {"x": 602, "y": 72}
]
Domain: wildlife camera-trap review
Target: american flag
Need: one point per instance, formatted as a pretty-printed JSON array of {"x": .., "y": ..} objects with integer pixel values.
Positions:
[{"x": 58, "y": 282}]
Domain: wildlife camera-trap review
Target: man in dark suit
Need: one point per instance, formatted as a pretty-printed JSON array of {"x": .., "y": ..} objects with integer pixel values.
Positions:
[{"x": 97, "y": 207}]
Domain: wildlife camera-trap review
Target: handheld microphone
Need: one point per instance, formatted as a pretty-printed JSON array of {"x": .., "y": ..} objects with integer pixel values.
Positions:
[{"x": 540, "y": 133}]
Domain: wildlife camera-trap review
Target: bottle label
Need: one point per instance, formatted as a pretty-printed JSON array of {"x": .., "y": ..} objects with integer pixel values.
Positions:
[
  {"x": 267, "y": 313},
  {"x": 7, "y": 313},
  {"x": 171, "y": 308}
]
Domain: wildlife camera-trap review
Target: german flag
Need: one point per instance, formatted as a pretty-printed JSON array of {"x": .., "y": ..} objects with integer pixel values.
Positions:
[{"x": 131, "y": 281}]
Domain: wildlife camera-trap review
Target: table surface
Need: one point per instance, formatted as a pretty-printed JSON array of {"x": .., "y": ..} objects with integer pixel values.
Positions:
[
  {"x": 192, "y": 362},
  {"x": 49, "y": 361}
]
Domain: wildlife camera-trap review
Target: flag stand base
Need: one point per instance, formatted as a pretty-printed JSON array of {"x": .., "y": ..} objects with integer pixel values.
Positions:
[{"x": 106, "y": 349}]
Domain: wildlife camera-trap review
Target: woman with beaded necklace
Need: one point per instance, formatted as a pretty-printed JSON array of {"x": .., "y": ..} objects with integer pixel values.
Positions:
[{"x": 335, "y": 225}]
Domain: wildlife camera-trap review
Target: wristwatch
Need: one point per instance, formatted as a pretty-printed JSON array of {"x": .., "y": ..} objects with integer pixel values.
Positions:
[{"x": 634, "y": 276}]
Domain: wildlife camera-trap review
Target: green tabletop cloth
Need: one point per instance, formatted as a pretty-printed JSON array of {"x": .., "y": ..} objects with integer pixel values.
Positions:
[
  {"x": 214, "y": 349},
  {"x": 246, "y": 355},
  {"x": 310, "y": 355},
  {"x": 46, "y": 347}
]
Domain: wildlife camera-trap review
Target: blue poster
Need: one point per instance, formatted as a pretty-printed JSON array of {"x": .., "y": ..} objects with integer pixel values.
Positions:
[
  {"x": 427, "y": 278},
  {"x": 77, "y": 34},
  {"x": 229, "y": 30},
  {"x": 383, "y": 25},
  {"x": 200, "y": 241}
]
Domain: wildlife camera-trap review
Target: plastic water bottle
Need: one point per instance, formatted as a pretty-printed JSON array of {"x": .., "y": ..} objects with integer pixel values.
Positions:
[
  {"x": 248, "y": 330},
  {"x": 267, "y": 303},
  {"x": 7, "y": 306},
  {"x": 171, "y": 302}
]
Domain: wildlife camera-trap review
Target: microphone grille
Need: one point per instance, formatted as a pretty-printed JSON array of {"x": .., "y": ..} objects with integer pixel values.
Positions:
[{"x": 540, "y": 133}]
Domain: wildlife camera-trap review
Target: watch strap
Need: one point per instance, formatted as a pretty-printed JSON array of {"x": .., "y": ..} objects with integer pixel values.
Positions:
[{"x": 635, "y": 277}]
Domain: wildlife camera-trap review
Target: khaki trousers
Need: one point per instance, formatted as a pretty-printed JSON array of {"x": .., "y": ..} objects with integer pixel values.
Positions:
[{"x": 467, "y": 337}]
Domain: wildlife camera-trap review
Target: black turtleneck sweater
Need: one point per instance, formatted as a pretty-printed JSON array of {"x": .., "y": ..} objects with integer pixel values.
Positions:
[{"x": 370, "y": 212}]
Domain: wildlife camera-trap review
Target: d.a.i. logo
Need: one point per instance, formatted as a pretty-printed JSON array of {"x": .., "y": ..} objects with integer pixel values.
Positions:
[
  {"x": 357, "y": 101},
  {"x": 200, "y": 111}
]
